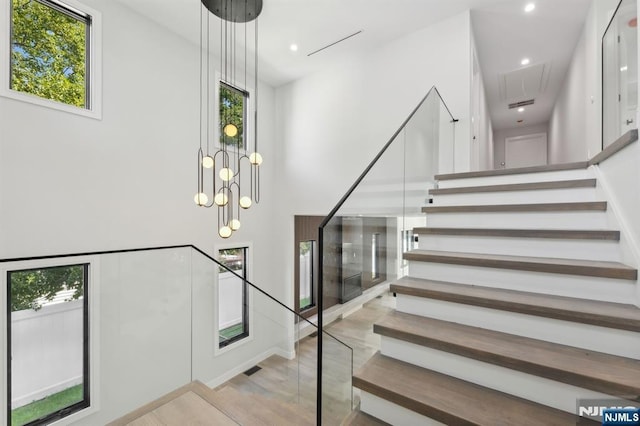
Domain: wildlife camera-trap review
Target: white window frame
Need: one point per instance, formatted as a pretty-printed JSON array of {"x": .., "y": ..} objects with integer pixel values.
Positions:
[
  {"x": 94, "y": 63},
  {"x": 94, "y": 330},
  {"x": 217, "y": 350},
  {"x": 250, "y": 117}
]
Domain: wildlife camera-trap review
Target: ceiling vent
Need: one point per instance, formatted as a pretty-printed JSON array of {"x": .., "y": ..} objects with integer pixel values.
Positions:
[
  {"x": 524, "y": 83},
  {"x": 334, "y": 43},
  {"x": 521, "y": 103}
]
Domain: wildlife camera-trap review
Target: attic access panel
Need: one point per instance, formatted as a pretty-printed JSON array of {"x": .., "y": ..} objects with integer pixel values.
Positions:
[{"x": 524, "y": 83}]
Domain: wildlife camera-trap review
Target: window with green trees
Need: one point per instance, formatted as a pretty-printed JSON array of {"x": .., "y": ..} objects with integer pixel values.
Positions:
[
  {"x": 232, "y": 117},
  {"x": 50, "y": 51},
  {"x": 48, "y": 343}
]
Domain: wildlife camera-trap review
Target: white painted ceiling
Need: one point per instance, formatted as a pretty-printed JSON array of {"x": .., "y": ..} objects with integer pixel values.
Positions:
[{"x": 504, "y": 34}]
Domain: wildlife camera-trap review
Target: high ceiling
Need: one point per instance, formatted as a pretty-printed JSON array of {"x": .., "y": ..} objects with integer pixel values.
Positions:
[{"x": 504, "y": 35}]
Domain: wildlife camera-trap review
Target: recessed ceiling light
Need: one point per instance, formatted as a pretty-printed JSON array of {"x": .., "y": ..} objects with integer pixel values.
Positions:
[
  {"x": 529, "y": 7},
  {"x": 525, "y": 61},
  {"x": 624, "y": 68},
  {"x": 293, "y": 47},
  {"x": 521, "y": 109}
]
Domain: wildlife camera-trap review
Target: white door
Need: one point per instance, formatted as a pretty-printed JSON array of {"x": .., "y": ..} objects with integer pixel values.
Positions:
[{"x": 526, "y": 150}]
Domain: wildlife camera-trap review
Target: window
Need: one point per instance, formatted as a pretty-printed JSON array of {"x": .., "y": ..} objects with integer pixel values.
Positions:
[
  {"x": 375, "y": 256},
  {"x": 233, "y": 115},
  {"x": 51, "y": 60},
  {"x": 48, "y": 343},
  {"x": 307, "y": 274},
  {"x": 233, "y": 309}
]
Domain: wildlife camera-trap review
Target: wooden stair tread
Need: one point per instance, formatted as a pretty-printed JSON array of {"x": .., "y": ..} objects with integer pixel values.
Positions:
[
  {"x": 520, "y": 170},
  {"x": 604, "y": 314},
  {"x": 610, "y": 374},
  {"x": 256, "y": 409},
  {"x": 523, "y": 263},
  {"x": 523, "y": 233},
  {"x": 540, "y": 207},
  {"x": 192, "y": 403},
  {"x": 450, "y": 400},
  {"x": 531, "y": 186}
]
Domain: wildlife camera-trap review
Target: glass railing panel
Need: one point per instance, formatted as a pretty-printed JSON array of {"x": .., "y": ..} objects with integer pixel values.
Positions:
[
  {"x": 120, "y": 329},
  {"x": 365, "y": 235},
  {"x": 620, "y": 73},
  {"x": 145, "y": 325},
  {"x": 267, "y": 351},
  {"x": 337, "y": 371}
]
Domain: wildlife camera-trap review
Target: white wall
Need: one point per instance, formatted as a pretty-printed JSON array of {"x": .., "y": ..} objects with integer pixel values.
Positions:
[
  {"x": 499, "y": 137},
  {"x": 567, "y": 126},
  {"x": 332, "y": 123},
  {"x": 575, "y": 126},
  {"x": 618, "y": 178},
  {"x": 77, "y": 184},
  {"x": 482, "y": 144},
  {"x": 73, "y": 184}
]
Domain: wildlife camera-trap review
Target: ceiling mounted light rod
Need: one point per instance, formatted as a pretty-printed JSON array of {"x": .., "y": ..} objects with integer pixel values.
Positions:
[{"x": 220, "y": 173}]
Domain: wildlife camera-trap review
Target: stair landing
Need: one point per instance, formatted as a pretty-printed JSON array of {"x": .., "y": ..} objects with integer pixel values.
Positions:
[
  {"x": 197, "y": 404},
  {"x": 190, "y": 404}
]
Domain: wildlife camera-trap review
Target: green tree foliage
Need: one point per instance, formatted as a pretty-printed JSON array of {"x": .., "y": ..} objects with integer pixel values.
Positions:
[
  {"x": 48, "y": 53},
  {"x": 30, "y": 287},
  {"x": 232, "y": 112},
  {"x": 305, "y": 247}
]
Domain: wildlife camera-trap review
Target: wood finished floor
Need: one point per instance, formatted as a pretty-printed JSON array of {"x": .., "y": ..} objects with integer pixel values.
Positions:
[{"x": 294, "y": 381}]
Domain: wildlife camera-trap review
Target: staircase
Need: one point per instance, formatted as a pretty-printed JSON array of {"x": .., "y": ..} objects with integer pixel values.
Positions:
[{"x": 516, "y": 306}]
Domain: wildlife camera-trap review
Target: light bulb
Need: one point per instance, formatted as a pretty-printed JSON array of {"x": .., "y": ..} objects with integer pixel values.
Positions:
[
  {"x": 226, "y": 174},
  {"x": 255, "y": 158},
  {"x": 225, "y": 232},
  {"x": 245, "y": 202},
  {"x": 230, "y": 130},
  {"x": 221, "y": 199},
  {"x": 234, "y": 224},
  {"x": 207, "y": 162},
  {"x": 201, "y": 199}
]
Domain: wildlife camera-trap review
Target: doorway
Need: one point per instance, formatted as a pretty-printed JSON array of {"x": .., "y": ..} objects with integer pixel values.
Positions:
[{"x": 526, "y": 150}]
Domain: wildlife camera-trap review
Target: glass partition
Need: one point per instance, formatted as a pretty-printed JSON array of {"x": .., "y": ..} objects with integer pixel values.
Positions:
[
  {"x": 620, "y": 73},
  {"x": 122, "y": 328},
  {"x": 367, "y": 231}
]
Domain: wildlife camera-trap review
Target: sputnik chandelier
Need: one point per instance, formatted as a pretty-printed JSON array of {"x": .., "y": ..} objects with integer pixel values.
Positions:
[{"x": 223, "y": 171}]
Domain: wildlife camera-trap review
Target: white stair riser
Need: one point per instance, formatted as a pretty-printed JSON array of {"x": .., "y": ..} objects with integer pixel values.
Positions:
[
  {"x": 392, "y": 413},
  {"x": 521, "y": 220},
  {"x": 537, "y": 247},
  {"x": 594, "y": 288},
  {"x": 520, "y": 178},
  {"x": 537, "y": 389},
  {"x": 517, "y": 197},
  {"x": 616, "y": 342}
]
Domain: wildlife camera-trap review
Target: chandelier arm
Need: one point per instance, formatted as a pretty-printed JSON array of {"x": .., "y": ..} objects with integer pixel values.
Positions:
[
  {"x": 201, "y": 64},
  {"x": 200, "y": 172},
  {"x": 255, "y": 89}
]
